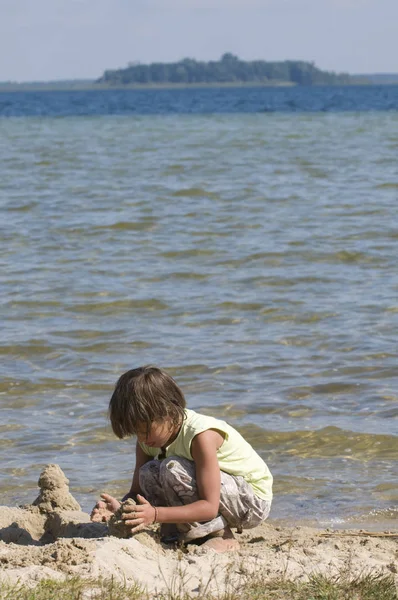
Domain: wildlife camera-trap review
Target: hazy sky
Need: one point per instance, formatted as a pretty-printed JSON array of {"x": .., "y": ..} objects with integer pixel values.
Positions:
[{"x": 66, "y": 39}]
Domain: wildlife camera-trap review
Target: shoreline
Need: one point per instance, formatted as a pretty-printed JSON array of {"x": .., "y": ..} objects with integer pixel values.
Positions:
[
  {"x": 87, "y": 87},
  {"x": 91, "y": 86},
  {"x": 354, "y": 524}
]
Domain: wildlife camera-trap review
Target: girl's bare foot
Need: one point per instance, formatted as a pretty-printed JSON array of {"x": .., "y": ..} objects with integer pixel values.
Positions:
[
  {"x": 222, "y": 541},
  {"x": 105, "y": 509}
]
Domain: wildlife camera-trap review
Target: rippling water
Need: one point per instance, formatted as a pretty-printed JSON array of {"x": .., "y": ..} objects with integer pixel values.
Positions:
[
  {"x": 204, "y": 100},
  {"x": 254, "y": 256}
]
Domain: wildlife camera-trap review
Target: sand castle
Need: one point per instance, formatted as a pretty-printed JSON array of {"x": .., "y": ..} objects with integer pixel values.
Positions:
[
  {"x": 54, "y": 491},
  {"x": 55, "y": 513}
]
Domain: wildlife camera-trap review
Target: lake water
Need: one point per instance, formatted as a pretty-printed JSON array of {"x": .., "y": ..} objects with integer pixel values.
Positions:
[{"x": 250, "y": 251}]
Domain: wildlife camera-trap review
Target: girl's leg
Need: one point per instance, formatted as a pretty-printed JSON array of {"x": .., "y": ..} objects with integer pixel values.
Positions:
[
  {"x": 239, "y": 506},
  {"x": 150, "y": 484},
  {"x": 152, "y": 490}
]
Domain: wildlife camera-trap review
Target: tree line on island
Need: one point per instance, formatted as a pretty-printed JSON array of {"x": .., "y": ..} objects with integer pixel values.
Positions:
[{"x": 228, "y": 70}]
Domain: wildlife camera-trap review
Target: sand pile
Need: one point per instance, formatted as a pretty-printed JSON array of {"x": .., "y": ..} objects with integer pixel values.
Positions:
[
  {"x": 54, "y": 538},
  {"x": 21, "y": 526},
  {"x": 61, "y": 555},
  {"x": 116, "y": 526},
  {"x": 54, "y": 491},
  {"x": 55, "y": 513}
]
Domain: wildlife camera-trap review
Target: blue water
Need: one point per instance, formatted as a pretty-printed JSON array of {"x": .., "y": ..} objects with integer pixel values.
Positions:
[
  {"x": 253, "y": 255},
  {"x": 199, "y": 101}
]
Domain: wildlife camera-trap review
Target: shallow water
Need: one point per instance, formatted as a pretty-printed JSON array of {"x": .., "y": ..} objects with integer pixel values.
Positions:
[{"x": 252, "y": 256}]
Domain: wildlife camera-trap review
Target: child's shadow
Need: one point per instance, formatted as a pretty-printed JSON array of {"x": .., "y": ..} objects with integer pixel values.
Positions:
[{"x": 17, "y": 534}]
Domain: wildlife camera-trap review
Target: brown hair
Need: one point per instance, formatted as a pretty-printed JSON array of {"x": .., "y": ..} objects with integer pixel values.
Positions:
[{"x": 142, "y": 396}]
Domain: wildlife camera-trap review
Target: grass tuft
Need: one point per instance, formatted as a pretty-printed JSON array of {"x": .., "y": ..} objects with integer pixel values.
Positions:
[
  {"x": 254, "y": 587},
  {"x": 320, "y": 587},
  {"x": 74, "y": 588}
]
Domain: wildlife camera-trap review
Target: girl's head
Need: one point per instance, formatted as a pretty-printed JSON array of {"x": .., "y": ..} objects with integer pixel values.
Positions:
[{"x": 142, "y": 397}]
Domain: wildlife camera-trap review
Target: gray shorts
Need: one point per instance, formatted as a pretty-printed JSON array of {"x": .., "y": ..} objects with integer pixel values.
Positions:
[{"x": 172, "y": 482}]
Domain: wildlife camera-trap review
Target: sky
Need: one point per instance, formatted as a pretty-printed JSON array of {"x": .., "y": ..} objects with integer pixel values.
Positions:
[{"x": 42, "y": 40}]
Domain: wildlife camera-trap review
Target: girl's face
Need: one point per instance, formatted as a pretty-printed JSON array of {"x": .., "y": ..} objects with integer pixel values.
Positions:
[{"x": 159, "y": 433}]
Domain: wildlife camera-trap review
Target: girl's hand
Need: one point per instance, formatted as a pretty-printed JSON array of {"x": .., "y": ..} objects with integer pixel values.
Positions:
[
  {"x": 139, "y": 516},
  {"x": 104, "y": 509}
]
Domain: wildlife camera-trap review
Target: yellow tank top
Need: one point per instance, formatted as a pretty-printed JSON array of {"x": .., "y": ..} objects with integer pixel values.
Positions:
[{"x": 235, "y": 455}]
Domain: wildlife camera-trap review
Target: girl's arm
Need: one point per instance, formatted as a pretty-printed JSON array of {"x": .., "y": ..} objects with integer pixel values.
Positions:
[
  {"x": 108, "y": 505},
  {"x": 204, "y": 452},
  {"x": 140, "y": 459}
]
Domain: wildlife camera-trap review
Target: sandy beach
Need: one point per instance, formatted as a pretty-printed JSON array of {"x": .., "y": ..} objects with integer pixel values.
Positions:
[{"x": 53, "y": 538}]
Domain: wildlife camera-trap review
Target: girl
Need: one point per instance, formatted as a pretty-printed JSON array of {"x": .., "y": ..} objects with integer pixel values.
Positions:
[{"x": 192, "y": 470}]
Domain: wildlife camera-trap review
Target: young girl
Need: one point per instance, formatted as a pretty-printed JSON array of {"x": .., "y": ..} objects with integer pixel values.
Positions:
[{"x": 192, "y": 470}]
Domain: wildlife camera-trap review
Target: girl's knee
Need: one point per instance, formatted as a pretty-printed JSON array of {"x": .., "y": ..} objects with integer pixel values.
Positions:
[
  {"x": 146, "y": 467},
  {"x": 149, "y": 472},
  {"x": 150, "y": 468},
  {"x": 176, "y": 469}
]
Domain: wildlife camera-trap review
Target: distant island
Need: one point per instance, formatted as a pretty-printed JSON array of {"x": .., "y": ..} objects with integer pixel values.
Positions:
[{"x": 228, "y": 70}]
